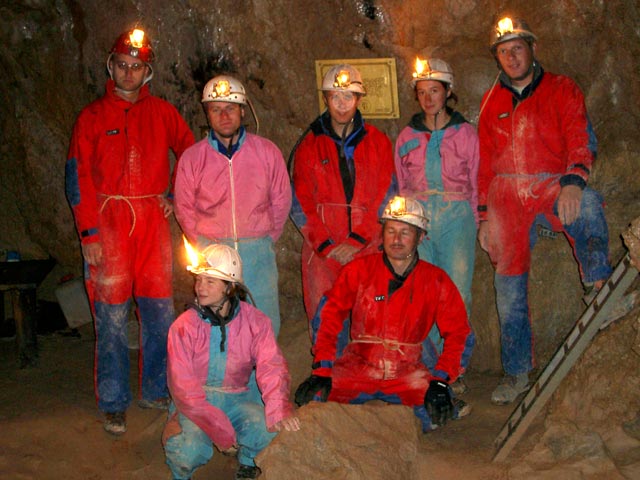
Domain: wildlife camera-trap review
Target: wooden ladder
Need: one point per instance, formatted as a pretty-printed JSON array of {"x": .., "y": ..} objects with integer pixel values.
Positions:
[{"x": 594, "y": 317}]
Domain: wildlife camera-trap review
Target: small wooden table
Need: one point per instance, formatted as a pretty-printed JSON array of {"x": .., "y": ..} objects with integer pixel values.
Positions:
[{"x": 19, "y": 280}]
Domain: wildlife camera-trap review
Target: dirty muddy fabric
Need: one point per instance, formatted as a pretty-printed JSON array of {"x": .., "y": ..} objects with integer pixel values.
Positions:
[
  {"x": 440, "y": 169},
  {"x": 192, "y": 448},
  {"x": 320, "y": 208},
  {"x": 532, "y": 144},
  {"x": 383, "y": 357},
  {"x": 209, "y": 388},
  {"x": 116, "y": 173}
]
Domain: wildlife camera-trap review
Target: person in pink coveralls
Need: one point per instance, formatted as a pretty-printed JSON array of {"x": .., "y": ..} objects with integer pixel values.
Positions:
[{"x": 213, "y": 348}]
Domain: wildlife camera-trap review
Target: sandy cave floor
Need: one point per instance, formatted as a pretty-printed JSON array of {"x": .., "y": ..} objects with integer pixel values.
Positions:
[{"x": 51, "y": 428}]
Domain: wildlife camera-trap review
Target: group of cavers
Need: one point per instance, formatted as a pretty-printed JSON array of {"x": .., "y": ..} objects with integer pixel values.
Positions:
[{"x": 388, "y": 252}]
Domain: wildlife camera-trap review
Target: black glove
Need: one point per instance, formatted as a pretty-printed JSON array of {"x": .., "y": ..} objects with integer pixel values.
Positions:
[
  {"x": 438, "y": 402},
  {"x": 312, "y": 386}
]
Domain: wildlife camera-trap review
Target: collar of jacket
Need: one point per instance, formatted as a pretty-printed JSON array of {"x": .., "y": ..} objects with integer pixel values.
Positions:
[
  {"x": 322, "y": 126},
  {"x": 398, "y": 280},
  {"x": 538, "y": 73},
  {"x": 417, "y": 121},
  {"x": 110, "y": 92},
  {"x": 221, "y": 148},
  {"x": 407, "y": 272}
]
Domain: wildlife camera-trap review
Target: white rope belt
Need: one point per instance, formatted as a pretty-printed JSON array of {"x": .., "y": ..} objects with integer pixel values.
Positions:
[
  {"x": 128, "y": 202},
  {"x": 392, "y": 345}
]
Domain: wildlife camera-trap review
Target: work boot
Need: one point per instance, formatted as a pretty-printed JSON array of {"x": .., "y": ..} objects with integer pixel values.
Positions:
[
  {"x": 115, "y": 423},
  {"x": 245, "y": 472},
  {"x": 460, "y": 408},
  {"x": 459, "y": 386},
  {"x": 160, "y": 403},
  {"x": 510, "y": 387},
  {"x": 591, "y": 290}
]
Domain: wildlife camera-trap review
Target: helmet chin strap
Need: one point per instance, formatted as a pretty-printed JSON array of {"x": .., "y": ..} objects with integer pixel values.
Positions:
[{"x": 122, "y": 90}]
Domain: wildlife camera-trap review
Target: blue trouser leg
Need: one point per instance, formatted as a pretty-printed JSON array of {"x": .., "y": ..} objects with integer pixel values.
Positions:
[
  {"x": 192, "y": 448},
  {"x": 188, "y": 450},
  {"x": 419, "y": 411},
  {"x": 589, "y": 236},
  {"x": 515, "y": 327},
  {"x": 450, "y": 246},
  {"x": 261, "y": 277},
  {"x": 112, "y": 357},
  {"x": 248, "y": 420},
  {"x": 156, "y": 316}
]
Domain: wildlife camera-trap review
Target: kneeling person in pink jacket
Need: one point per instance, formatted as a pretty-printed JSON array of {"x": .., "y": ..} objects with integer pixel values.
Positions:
[{"x": 212, "y": 350}]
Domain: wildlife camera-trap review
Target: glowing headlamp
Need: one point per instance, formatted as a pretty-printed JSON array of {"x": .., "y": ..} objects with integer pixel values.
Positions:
[
  {"x": 398, "y": 207},
  {"x": 136, "y": 38},
  {"x": 422, "y": 69},
  {"x": 343, "y": 79},
  {"x": 221, "y": 89},
  {"x": 193, "y": 256},
  {"x": 504, "y": 26}
]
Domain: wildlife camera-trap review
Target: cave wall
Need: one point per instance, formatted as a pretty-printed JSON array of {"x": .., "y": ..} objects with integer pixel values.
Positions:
[{"x": 52, "y": 63}]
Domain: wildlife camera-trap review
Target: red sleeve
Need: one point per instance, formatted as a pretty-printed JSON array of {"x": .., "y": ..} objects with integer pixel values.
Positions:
[
  {"x": 453, "y": 324},
  {"x": 80, "y": 188},
  {"x": 304, "y": 183},
  {"x": 576, "y": 130},
  {"x": 340, "y": 300},
  {"x": 377, "y": 183},
  {"x": 485, "y": 170}
]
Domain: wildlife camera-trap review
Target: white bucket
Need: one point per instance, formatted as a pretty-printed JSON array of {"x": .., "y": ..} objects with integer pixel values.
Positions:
[{"x": 74, "y": 302}]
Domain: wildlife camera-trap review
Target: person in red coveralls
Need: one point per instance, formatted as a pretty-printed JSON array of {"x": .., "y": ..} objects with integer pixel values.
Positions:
[
  {"x": 343, "y": 176},
  {"x": 537, "y": 149},
  {"x": 394, "y": 300},
  {"x": 117, "y": 180}
]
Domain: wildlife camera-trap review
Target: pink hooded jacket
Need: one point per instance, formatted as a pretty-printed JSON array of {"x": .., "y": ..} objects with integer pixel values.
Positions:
[{"x": 250, "y": 342}]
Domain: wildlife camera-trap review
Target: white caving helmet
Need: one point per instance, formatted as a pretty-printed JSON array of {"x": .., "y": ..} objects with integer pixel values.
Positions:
[
  {"x": 432, "y": 69},
  {"x": 343, "y": 77},
  {"x": 224, "y": 88},
  {"x": 407, "y": 210},
  {"x": 220, "y": 261},
  {"x": 509, "y": 29}
]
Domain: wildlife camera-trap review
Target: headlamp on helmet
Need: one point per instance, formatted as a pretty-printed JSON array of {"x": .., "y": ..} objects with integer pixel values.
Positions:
[
  {"x": 217, "y": 261},
  {"x": 343, "y": 77},
  {"x": 432, "y": 69},
  {"x": 224, "y": 88},
  {"x": 136, "y": 37},
  {"x": 406, "y": 210},
  {"x": 134, "y": 43},
  {"x": 508, "y": 29}
]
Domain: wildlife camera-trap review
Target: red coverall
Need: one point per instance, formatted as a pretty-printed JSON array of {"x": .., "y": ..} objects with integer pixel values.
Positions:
[
  {"x": 387, "y": 331},
  {"x": 525, "y": 149},
  {"x": 325, "y": 219},
  {"x": 533, "y": 143},
  {"x": 116, "y": 172}
]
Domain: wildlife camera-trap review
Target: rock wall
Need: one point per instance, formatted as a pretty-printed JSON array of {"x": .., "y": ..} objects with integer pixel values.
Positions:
[{"x": 52, "y": 63}]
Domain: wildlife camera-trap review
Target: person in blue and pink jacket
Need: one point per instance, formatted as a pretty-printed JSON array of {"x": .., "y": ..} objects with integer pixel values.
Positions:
[
  {"x": 212, "y": 351},
  {"x": 437, "y": 160}
]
